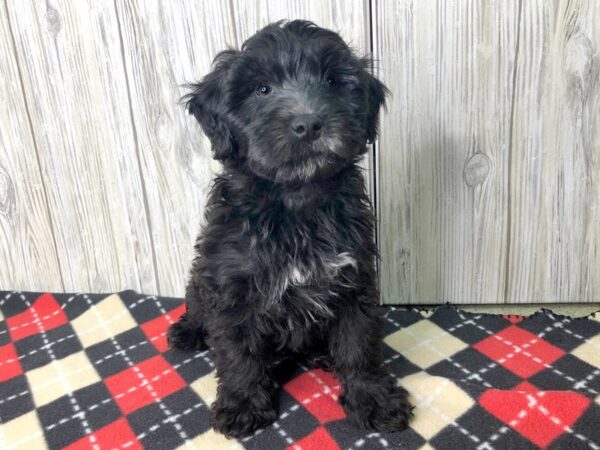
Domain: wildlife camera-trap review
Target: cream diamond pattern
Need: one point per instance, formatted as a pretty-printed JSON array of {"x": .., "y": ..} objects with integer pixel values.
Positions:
[
  {"x": 103, "y": 321},
  {"x": 424, "y": 343},
  {"x": 438, "y": 403},
  {"x": 589, "y": 351}
]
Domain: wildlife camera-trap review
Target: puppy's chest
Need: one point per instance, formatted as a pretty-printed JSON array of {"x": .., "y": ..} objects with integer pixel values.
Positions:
[
  {"x": 301, "y": 257},
  {"x": 305, "y": 287},
  {"x": 326, "y": 268}
]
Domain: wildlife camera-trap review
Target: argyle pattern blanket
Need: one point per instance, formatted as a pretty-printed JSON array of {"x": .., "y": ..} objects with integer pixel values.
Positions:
[{"x": 89, "y": 371}]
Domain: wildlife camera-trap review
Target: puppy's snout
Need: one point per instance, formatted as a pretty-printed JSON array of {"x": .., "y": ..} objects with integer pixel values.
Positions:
[{"x": 307, "y": 126}]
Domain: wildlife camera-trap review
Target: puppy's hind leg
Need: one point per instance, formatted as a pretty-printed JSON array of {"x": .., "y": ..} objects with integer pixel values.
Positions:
[{"x": 188, "y": 333}]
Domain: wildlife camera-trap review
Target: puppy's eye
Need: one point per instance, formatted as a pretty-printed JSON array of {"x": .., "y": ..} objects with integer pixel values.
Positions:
[
  {"x": 331, "y": 82},
  {"x": 262, "y": 90}
]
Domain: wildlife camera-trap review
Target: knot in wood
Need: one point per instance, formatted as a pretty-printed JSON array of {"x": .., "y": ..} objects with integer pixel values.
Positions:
[
  {"x": 476, "y": 169},
  {"x": 53, "y": 21}
]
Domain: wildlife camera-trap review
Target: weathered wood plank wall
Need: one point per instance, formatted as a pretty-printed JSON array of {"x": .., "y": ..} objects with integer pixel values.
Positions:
[
  {"x": 554, "y": 198},
  {"x": 74, "y": 88},
  {"x": 488, "y": 171},
  {"x": 28, "y": 254},
  {"x": 487, "y": 184},
  {"x": 165, "y": 47},
  {"x": 103, "y": 176}
]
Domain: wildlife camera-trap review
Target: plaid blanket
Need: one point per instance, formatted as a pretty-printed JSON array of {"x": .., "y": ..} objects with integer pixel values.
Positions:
[{"x": 94, "y": 371}]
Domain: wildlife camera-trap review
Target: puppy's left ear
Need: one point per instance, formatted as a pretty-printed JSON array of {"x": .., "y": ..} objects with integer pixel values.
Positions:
[{"x": 376, "y": 93}]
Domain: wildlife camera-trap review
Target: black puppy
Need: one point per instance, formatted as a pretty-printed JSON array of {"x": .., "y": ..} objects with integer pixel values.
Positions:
[{"x": 285, "y": 262}]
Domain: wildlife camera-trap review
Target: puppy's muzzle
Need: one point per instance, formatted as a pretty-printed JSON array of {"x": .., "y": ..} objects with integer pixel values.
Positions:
[{"x": 307, "y": 126}]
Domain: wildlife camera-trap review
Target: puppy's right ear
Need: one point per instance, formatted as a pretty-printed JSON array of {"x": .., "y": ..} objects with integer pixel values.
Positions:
[{"x": 207, "y": 103}]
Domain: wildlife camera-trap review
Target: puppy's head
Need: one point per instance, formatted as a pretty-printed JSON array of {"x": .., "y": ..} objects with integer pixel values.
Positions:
[{"x": 293, "y": 105}]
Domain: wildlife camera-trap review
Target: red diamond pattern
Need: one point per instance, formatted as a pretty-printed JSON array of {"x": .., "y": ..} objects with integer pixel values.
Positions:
[
  {"x": 319, "y": 439},
  {"x": 144, "y": 383},
  {"x": 10, "y": 366},
  {"x": 45, "y": 314},
  {"x": 540, "y": 416},
  {"x": 115, "y": 435},
  {"x": 520, "y": 351},
  {"x": 317, "y": 391},
  {"x": 156, "y": 329}
]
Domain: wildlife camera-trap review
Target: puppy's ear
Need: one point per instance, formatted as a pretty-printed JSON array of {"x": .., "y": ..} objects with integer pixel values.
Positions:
[
  {"x": 376, "y": 93},
  {"x": 207, "y": 103}
]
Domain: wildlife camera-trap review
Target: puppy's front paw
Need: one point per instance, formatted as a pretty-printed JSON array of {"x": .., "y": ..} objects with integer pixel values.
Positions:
[
  {"x": 379, "y": 408},
  {"x": 184, "y": 336},
  {"x": 235, "y": 418}
]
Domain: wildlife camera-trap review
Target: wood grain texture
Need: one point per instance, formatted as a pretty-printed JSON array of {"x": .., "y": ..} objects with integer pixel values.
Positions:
[
  {"x": 349, "y": 18},
  {"x": 488, "y": 165},
  {"x": 442, "y": 167},
  {"x": 27, "y": 252},
  {"x": 555, "y": 161},
  {"x": 166, "y": 46},
  {"x": 75, "y": 88}
]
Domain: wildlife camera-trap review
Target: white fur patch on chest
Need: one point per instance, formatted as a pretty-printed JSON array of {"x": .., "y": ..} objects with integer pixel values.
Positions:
[
  {"x": 299, "y": 274},
  {"x": 340, "y": 261}
]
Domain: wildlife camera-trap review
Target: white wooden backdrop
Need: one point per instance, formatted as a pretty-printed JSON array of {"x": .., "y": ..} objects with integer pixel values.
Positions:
[
  {"x": 489, "y": 169},
  {"x": 486, "y": 177}
]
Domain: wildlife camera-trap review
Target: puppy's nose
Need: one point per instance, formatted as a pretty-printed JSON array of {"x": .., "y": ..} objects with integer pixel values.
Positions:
[{"x": 307, "y": 126}]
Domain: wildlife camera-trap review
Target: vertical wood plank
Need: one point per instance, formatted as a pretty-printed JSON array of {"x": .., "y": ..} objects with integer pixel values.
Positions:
[
  {"x": 27, "y": 252},
  {"x": 555, "y": 172},
  {"x": 443, "y": 159},
  {"x": 349, "y": 18},
  {"x": 167, "y": 45},
  {"x": 74, "y": 84}
]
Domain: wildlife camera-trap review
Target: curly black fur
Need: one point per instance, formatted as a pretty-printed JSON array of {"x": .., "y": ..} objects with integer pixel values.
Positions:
[{"x": 285, "y": 262}]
